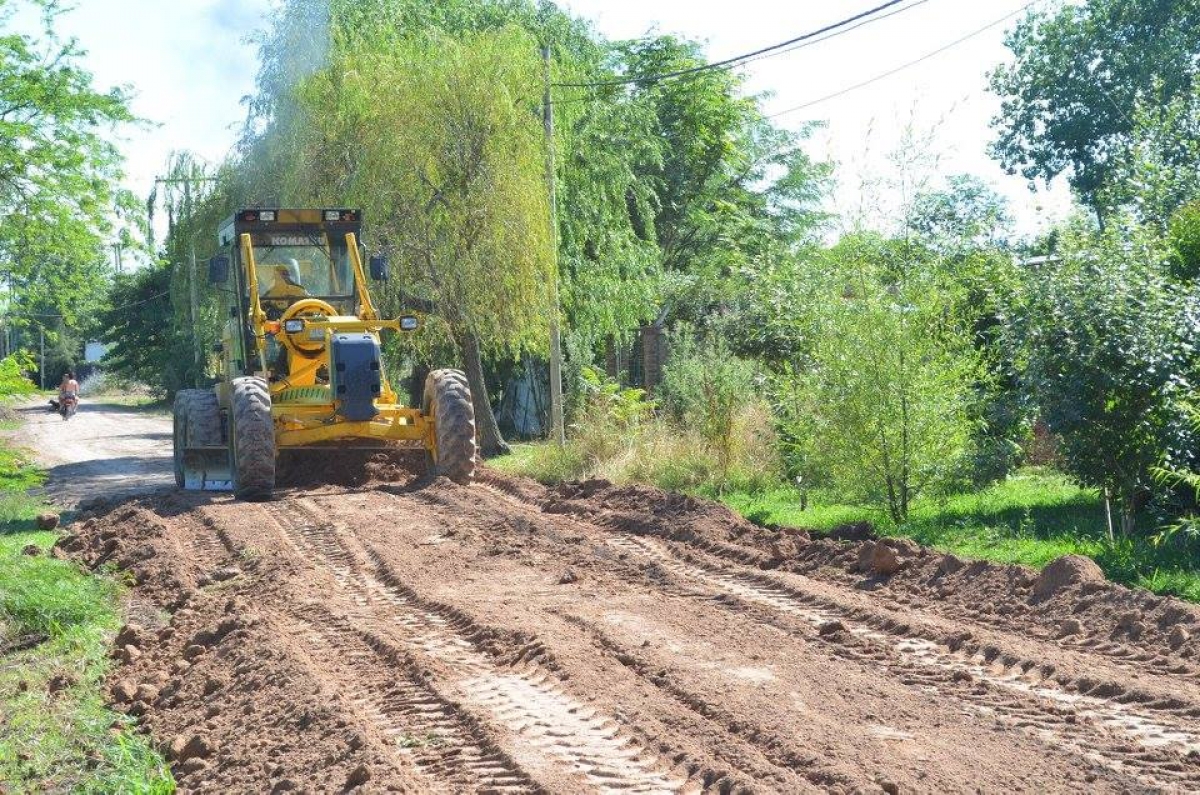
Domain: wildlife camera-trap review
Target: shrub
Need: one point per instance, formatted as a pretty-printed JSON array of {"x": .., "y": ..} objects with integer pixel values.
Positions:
[
  {"x": 706, "y": 389},
  {"x": 12, "y": 375},
  {"x": 1108, "y": 342},
  {"x": 884, "y": 410}
]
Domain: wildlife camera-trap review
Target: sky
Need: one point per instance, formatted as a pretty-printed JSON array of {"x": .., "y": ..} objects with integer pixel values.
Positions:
[{"x": 189, "y": 66}]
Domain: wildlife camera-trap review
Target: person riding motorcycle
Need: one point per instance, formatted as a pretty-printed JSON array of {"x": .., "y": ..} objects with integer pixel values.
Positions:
[{"x": 68, "y": 389}]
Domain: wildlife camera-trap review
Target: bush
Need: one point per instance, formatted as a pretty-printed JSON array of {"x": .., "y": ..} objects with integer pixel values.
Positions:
[
  {"x": 884, "y": 411},
  {"x": 706, "y": 390},
  {"x": 13, "y": 381},
  {"x": 1109, "y": 356},
  {"x": 618, "y": 436}
]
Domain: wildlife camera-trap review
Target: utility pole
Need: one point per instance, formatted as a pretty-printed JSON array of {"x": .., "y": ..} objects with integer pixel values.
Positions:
[
  {"x": 556, "y": 396},
  {"x": 117, "y": 262},
  {"x": 193, "y": 289},
  {"x": 42, "y": 366},
  {"x": 193, "y": 294}
]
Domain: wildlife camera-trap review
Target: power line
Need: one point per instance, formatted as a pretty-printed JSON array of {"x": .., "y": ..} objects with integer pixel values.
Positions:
[
  {"x": 7, "y": 315},
  {"x": 738, "y": 59},
  {"x": 904, "y": 66},
  {"x": 835, "y": 34}
]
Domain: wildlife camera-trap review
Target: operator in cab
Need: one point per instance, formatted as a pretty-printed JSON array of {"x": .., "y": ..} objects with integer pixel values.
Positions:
[{"x": 285, "y": 290}]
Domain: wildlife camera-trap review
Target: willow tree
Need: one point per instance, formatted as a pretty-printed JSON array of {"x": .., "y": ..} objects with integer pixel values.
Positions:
[{"x": 438, "y": 136}]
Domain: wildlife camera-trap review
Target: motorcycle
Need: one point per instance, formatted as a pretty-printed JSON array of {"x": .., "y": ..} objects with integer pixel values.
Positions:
[{"x": 66, "y": 407}]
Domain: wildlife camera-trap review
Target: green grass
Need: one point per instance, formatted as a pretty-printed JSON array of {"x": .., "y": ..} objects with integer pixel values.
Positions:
[
  {"x": 67, "y": 741},
  {"x": 1031, "y": 518}
]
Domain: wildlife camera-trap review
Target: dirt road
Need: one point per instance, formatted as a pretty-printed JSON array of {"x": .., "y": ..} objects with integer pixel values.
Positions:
[
  {"x": 407, "y": 635},
  {"x": 105, "y": 449}
]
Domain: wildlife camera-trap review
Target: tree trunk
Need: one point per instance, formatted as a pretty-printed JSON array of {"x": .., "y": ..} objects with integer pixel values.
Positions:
[
  {"x": 491, "y": 443},
  {"x": 1108, "y": 514}
]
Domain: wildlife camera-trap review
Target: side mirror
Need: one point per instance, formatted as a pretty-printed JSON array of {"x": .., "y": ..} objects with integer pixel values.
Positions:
[
  {"x": 218, "y": 269},
  {"x": 380, "y": 271}
]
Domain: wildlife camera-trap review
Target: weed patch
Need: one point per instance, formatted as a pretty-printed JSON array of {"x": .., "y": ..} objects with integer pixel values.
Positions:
[{"x": 58, "y": 734}]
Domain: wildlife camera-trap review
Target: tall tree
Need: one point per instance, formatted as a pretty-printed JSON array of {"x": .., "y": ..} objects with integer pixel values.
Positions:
[
  {"x": 1068, "y": 97},
  {"x": 58, "y": 168},
  {"x": 452, "y": 162}
]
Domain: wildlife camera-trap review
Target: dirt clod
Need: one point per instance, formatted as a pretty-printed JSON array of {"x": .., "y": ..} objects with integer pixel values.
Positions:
[
  {"x": 569, "y": 576},
  {"x": 1065, "y": 572},
  {"x": 189, "y": 746},
  {"x": 226, "y": 573},
  {"x": 1179, "y": 636},
  {"x": 31, "y": 550},
  {"x": 359, "y": 776},
  {"x": 47, "y": 521},
  {"x": 1070, "y": 627},
  {"x": 124, "y": 691},
  {"x": 831, "y": 628},
  {"x": 950, "y": 564},
  {"x": 60, "y": 682},
  {"x": 885, "y": 561}
]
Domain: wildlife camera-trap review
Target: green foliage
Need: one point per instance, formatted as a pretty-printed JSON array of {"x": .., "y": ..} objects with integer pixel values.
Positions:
[
  {"x": 146, "y": 344},
  {"x": 1107, "y": 343},
  {"x": 1155, "y": 169},
  {"x": 627, "y": 406},
  {"x": 453, "y": 171},
  {"x": 1184, "y": 239},
  {"x": 1078, "y": 69},
  {"x": 13, "y": 380},
  {"x": 58, "y": 167},
  {"x": 966, "y": 216},
  {"x": 706, "y": 389},
  {"x": 617, "y": 436},
  {"x": 882, "y": 412}
]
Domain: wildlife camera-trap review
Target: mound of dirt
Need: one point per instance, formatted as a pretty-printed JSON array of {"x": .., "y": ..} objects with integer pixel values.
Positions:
[
  {"x": 1012, "y": 596},
  {"x": 348, "y": 468},
  {"x": 1065, "y": 572}
]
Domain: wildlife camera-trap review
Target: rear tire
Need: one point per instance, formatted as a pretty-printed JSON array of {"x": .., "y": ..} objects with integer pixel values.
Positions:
[
  {"x": 448, "y": 401},
  {"x": 252, "y": 439}
]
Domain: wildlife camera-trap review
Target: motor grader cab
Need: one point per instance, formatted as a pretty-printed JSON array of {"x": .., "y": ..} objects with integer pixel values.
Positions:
[{"x": 301, "y": 363}]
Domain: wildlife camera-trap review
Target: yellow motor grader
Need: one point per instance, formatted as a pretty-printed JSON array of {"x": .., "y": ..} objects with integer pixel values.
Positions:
[{"x": 301, "y": 360}]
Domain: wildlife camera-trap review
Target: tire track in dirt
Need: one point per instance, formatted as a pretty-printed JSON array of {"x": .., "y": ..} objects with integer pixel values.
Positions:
[
  {"x": 1159, "y": 750},
  {"x": 770, "y": 745},
  {"x": 734, "y": 726},
  {"x": 546, "y": 732},
  {"x": 430, "y": 733},
  {"x": 637, "y": 527},
  {"x": 1165, "y": 754}
]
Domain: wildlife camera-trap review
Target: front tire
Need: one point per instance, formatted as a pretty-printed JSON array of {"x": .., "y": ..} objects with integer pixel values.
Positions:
[
  {"x": 448, "y": 401},
  {"x": 252, "y": 439}
]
